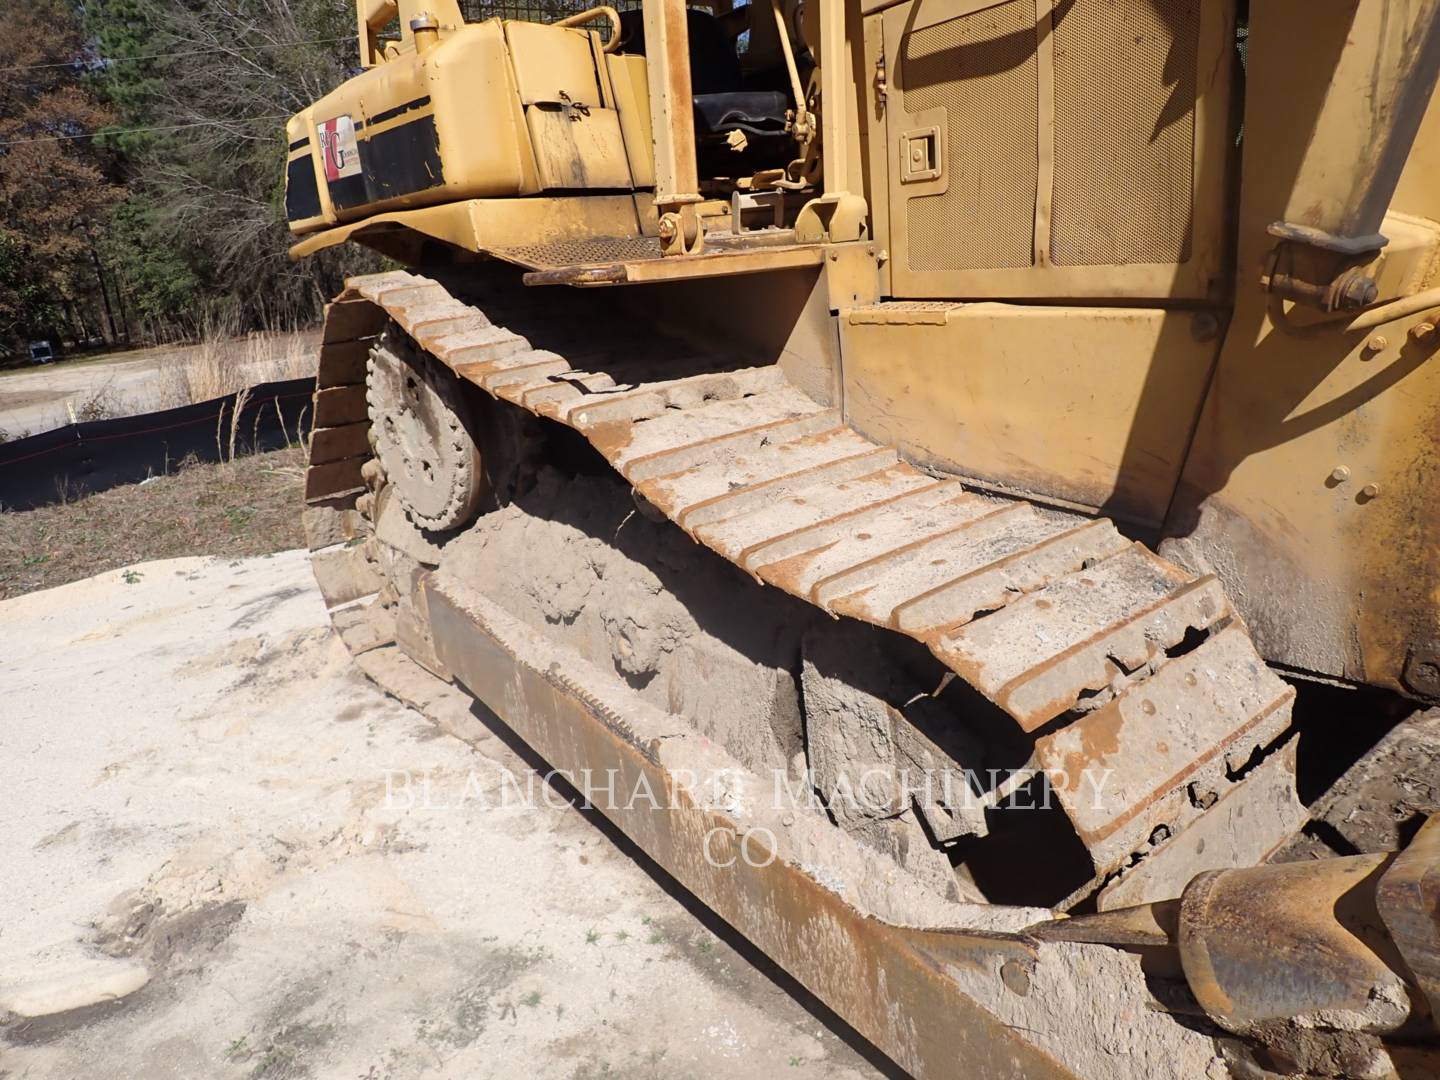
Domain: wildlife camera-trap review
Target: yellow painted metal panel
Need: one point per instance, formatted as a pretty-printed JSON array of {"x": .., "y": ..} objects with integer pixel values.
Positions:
[
  {"x": 551, "y": 61},
  {"x": 575, "y": 150},
  {"x": 1039, "y": 150},
  {"x": 485, "y": 224},
  {"x": 632, "y": 101},
  {"x": 1092, "y": 407},
  {"x": 1311, "y": 489},
  {"x": 463, "y": 86}
]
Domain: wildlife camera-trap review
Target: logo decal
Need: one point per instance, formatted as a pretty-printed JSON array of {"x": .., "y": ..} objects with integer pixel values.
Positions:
[{"x": 338, "y": 149}]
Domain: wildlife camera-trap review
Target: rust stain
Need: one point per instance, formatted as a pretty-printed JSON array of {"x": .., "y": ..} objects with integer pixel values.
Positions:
[
  {"x": 787, "y": 573},
  {"x": 611, "y": 437},
  {"x": 1099, "y": 736},
  {"x": 1178, "y": 778}
]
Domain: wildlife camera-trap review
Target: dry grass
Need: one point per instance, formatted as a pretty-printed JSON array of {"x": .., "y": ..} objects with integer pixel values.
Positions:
[
  {"x": 248, "y": 506},
  {"x": 223, "y": 363},
  {"x": 148, "y": 380}
]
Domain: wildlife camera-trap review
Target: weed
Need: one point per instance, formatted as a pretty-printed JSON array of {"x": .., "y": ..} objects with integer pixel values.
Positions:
[
  {"x": 531, "y": 999},
  {"x": 236, "y": 1047},
  {"x": 622, "y": 936},
  {"x": 242, "y": 397},
  {"x": 35, "y": 560},
  {"x": 589, "y": 1070},
  {"x": 132, "y": 577},
  {"x": 99, "y": 404},
  {"x": 278, "y": 1061},
  {"x": 592, "y": 936},
  {"x": 705, "y": 946},
  {"x": 655, "y": 938}
]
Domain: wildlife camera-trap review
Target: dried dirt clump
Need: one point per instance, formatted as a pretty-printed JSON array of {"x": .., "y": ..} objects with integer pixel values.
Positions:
[{"x": 690, "y": 634}]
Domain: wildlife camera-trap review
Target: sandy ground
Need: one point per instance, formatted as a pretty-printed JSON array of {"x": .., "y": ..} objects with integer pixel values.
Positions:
[{"x": 203, "y": 873}]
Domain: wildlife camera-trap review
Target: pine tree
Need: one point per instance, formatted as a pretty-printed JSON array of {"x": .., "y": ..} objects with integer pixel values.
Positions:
[{"x": 203, "y": 233}]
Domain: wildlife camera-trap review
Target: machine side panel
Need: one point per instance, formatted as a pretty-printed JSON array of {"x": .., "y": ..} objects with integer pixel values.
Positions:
[{"x": 1311, "y": 487}]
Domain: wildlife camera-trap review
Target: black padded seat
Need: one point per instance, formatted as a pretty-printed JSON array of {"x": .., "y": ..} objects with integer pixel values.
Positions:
[{"x": 755, "y": 112}]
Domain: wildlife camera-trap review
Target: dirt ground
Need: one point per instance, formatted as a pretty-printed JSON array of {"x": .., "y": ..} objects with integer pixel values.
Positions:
[
  {"x": 33, "y": 398},
  {"x": 246, "y": 507},
  {"x": 206, "y": 874}
]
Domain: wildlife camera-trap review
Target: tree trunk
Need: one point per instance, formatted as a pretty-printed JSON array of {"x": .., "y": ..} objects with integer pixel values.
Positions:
[
  {"x": 120, "y": 303},
  {"x": 104, "y": 294}
]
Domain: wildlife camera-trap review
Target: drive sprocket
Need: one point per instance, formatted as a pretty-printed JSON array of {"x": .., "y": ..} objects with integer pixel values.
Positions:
[{"x": 421, "y": 428}]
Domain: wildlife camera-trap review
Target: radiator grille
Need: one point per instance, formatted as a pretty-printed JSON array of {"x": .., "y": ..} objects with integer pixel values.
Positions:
[
  {"x": 982, "y": 70},
  {"x": 1125, "y": 74}
]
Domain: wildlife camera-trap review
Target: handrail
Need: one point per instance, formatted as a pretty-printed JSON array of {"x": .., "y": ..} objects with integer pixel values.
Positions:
[
  {"x": 801, "y": 127},
  {"x": 590, "y": 15},
  {"x": 1415, "y": 304},
  {"x": 1396, "y": 309}
]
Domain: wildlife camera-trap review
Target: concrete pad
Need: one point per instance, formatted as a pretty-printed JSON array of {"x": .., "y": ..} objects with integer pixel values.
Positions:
[{"x": 202, "y": 792}]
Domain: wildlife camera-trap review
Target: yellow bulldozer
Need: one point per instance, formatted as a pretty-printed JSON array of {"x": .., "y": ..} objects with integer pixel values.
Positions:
[{"x": 956, "y": 482}]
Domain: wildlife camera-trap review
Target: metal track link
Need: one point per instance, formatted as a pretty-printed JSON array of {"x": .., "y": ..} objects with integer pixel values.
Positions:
[{"x": 1144, "y": 691}]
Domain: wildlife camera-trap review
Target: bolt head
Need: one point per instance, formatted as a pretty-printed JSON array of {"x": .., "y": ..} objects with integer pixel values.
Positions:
[
  {"x": 1378, "y": 343},
  {"x": 1370, "y": 491},
  {"x": 1357, "y": 291},
  {"x": 1422, "y": 671},
  {"x": 1339, "y": 474},
  {"x": 1205, "y": 326},
  {"x": 1421, "y": 331}
]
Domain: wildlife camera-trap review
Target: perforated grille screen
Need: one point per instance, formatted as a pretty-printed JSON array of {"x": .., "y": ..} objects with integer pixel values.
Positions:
[
  {"x": 982, "y": 71},
  {"x": 1125, "y": 75}
]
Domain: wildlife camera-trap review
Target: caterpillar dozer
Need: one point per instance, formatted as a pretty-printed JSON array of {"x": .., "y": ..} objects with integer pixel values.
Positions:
[{"x": 955, "y": 481}]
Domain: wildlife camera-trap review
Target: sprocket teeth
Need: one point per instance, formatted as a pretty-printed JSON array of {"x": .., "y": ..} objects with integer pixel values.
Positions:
[{"x": 423, "y": 406}]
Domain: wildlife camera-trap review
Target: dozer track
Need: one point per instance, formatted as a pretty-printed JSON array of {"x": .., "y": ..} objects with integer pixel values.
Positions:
[{"x": 1158, "y": 724}]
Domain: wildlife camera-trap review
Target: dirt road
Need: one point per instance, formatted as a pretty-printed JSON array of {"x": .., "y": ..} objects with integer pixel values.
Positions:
[
  {"x": 228, "y": 855},
  {"x": 40, "y": 398},
  {"x": 34, "y": 399}
]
